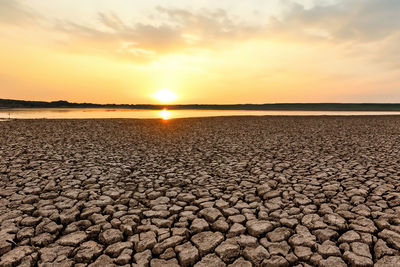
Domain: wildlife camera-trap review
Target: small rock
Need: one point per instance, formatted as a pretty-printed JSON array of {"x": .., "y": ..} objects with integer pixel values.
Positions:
[
  {"x": 303, "y": 253},
  {"x": 361, "y": 249},
  {"x": 276, "y": 248},
  {"x": 210, "y": 260},
  {"x": 73, "y": 239},
  {"x": 332, "y": 261},
  {"x": 210, "y": 214},
  {"x": 240, "y": 263},
  {"x": 125, "y": 257},
  {"x": 279, "y": 234},
  {"x": 164, "y": 263},
  {"x": 88, "y": 251},
  {"x": 350, "y": 236},
  {"x": 275, "y": 261},
  {"x": 169, "y": 253},
  {"x": 228, "y": 251},
  {"x": 147, "y": 241},
  {"x": 381, "y": 249},
  {"x": 391, "y": 237},
  {"x": 187, "y": 254},
  {"x": 199, "y": 225},
  {"x": 115, "y": 249},
  {"x": 207, "y": 241},
  {"x": 235, "y": 230},
  {"x": 42, "y": 240},
  {"x": 392, "y": 261},
  {"x": 328, "y": 248},
  {"x": 143, "y": 258},
  {"x": 103, "y": 261},
  {"x": 256, "y": 255},
  {"x": 111, "y": 236},
  {"x": 258, "y": 227},
  {"x": 220, "y": 225},
  {"x": 13, "y": 257},
  {"x": 335, "y": 220},
  {"x": 356, "y": 260},
  {"x": 168, "y": 243}
]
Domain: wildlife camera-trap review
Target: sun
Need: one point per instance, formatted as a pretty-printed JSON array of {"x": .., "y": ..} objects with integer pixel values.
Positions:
[{"x": 165, "y": 96}]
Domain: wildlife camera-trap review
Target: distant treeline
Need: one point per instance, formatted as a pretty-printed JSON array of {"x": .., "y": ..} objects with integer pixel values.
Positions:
[{"x": 9, "y": 103}]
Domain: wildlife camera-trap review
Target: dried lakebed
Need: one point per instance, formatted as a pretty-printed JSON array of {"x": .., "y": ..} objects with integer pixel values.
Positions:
[{"x": 235, "y": 191}]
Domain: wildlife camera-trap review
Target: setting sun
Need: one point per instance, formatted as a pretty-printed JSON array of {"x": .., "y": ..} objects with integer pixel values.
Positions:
[{"x": 165, "y": 96}]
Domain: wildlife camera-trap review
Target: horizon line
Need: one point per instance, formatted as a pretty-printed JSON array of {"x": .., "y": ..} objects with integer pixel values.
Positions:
[{"x": 201, "y": 104}]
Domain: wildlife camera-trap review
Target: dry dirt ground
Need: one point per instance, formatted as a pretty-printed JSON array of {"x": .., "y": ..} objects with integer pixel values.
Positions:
[{"x": 235, "y": 191}]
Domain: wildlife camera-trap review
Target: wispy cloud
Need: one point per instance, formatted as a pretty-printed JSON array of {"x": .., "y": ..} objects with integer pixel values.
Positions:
[
  {"x": 368, "y": 26},
  {"x": 175, "y": 30},
  {"x": 14, "y": 12},
  {"x": 357, "y": 20}
]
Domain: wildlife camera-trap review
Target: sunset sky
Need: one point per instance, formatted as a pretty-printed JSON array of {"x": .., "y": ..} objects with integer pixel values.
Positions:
[{"x": 204, "y": 51}]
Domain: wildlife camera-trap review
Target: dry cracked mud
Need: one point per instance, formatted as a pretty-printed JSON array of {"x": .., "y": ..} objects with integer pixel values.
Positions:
[{"x": 235, "y": 191}]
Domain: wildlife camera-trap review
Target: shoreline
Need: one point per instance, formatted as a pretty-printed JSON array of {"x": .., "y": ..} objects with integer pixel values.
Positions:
[{"x": 168, "y": 114}]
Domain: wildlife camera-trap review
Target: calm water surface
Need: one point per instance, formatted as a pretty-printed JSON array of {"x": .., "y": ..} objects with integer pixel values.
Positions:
[{"x": 86, "y": 113}]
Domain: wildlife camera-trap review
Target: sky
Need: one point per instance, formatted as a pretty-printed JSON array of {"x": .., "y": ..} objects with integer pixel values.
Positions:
[{"x": 202, "y": 51}]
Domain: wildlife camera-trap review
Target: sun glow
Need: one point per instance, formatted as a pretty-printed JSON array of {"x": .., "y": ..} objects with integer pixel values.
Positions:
[
  {"x": 165, "y": 96},
  {"x": 165, "y": 114}
]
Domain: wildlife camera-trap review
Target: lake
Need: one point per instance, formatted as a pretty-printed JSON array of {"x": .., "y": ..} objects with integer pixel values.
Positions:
[{"x": 90, "y": 113}]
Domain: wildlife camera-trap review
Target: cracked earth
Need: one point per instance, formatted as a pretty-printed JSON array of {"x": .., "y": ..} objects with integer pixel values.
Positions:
[{"x": 235, "y": 191}]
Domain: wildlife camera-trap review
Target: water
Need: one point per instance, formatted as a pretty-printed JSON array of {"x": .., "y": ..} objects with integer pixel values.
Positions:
[{"x": 90, "y": 113}]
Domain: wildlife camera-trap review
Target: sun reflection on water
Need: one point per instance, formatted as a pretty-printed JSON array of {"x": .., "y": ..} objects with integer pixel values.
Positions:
[{"x": 165, "y": 114}]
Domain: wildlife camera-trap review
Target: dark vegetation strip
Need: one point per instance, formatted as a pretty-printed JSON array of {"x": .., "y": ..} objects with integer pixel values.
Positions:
[{"x": 9, "y": 103}]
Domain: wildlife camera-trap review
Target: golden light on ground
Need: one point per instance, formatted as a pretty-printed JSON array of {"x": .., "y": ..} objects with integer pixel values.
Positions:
[
  {"x": 165, "y": 114},
  {"x": 165, "y": 96}
]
